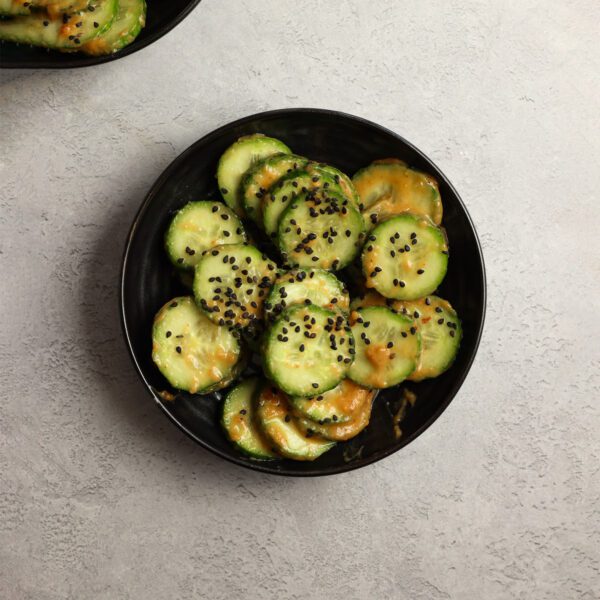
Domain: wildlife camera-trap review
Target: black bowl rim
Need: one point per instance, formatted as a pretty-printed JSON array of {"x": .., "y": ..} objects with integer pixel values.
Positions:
[
  {"x": 264, "y": 466},
  {"x": 90, "y": 61}
]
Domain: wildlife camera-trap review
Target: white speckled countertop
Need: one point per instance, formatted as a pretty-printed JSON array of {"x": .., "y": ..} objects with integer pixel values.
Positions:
[{"x": 102, "y": 498}]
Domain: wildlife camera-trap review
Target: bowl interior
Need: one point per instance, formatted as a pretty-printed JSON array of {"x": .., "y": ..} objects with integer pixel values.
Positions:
[
  {"x": 161, "y": 18},
  {"x": 347, "y": 143}
]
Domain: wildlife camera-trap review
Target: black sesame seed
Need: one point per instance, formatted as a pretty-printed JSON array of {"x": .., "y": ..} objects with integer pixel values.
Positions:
[{"x": 178, "y": 349}]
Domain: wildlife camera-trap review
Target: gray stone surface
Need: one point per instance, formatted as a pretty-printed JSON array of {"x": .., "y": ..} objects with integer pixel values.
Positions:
[{"x": 100, "y": 497}]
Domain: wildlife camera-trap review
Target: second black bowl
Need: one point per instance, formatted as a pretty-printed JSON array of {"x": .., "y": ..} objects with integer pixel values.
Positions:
[
  {"x": 348, "y": 143},
  {"x": 161, "y": 18}
]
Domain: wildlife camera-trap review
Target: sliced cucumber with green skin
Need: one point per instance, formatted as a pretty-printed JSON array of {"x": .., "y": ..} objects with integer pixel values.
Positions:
[
  {"x": 257, "y": 182},
  {"x": 191, "y": 351},
  {"x": 235, "y": 374},
  {"x": 274, "y": 415},
  {"x": 308, "y": 350},
  {"x": 238, "y": 420},
  {"x": 441, "y": 334},
  {"x": 388, "y": 187},
  {"x": 199, "y": 226},
  {"x": 343, "y": 181},
  {"x": 370, "y": 298},
  {"x": 405, "y": 258},
  {"x": 338, "y": 405},
  {"x": 388, "y": 346},
  {"x": 55, "y": 7},
  {"x": 294, "y": 185},
  {"x": 129, "y": 22},
  {"x": 237, "y": 159},
  {"x": 339, "y": 432},
  {"x": 14, "y": 7},
  {"x": 231, "y": 283},
  {"x": 295, "y": 287},
  {"x": 67, "y": 33},
  {"x": 324, "y": 231}
]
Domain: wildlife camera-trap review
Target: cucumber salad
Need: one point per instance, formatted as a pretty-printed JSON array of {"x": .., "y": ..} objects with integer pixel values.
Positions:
[
  {"x": 94, "y": 27},
  {"x": 323, "y": 283}
]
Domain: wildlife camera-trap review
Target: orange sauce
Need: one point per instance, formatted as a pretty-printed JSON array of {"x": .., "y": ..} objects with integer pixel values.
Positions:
[
  {"x": 349, "y": 429},
  {"x": 238, "y": 427}
]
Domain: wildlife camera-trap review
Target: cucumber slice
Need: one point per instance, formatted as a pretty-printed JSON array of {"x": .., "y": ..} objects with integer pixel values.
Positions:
[
  {"x": 238, "y": 420},
  {"x": 344, "y": 182},
  {"x": 405, "y": 258},
  {"x": 323, "y": 231},
  {"x": 387, "y": 347},
  {"x": 389, "y": 187},
  {"x": 53, "y": 7},
  {"x": 295, "y": 287},
  {"x": 191, "y": 351},
  {"x": 339, "y": 432},
  {"x": 441, "y": 334},
  {"x": 257, "y": 182},
  {"x": 130, "y": 20},
  {"x": 288, "y": 188},
  {"x": 235, "y": 374},
  {"x": 236, "y": 161},
  {"x": 199, "y": 226},
  {"x": 338, "y": 405},
  {"x": 370, "y": 298},
  {"x": 308, "y": 350},
  {"x": 67, "y": 33},
  {"x": 231, "y": 283},
  {"x": 14, "y": 7},
  {"x": 274, "y": 414}
]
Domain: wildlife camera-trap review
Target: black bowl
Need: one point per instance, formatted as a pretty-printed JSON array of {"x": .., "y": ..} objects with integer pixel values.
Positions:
[
  {"x": 161, "y": 18},
  {"x": 348, "y": 143}
]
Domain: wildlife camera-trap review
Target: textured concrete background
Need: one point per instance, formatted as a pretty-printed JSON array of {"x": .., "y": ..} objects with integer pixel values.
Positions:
[{"x": 101, "y": 497}]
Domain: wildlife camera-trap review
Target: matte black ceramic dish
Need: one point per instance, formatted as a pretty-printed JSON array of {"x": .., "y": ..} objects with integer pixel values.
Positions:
[
  {"x": 161, "y": 18},
  {"x": 348, "y": 143}
]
